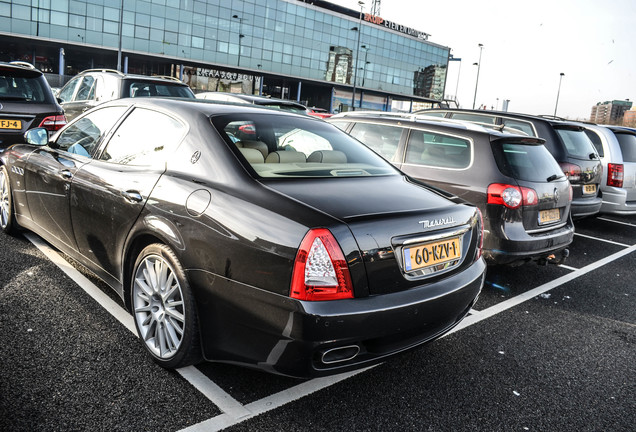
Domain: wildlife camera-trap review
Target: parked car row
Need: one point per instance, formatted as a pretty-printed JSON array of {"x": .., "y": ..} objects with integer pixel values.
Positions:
[{"x": 238, "y": 233}]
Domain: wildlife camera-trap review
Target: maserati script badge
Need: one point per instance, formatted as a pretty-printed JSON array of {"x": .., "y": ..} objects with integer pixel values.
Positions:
[{"x": 437, "y": 222}]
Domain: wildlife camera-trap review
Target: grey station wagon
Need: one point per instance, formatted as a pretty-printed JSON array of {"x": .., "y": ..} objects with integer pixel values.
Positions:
[
  {"x": 566, "y": 141},
  {"x": 520, "y": 189}
]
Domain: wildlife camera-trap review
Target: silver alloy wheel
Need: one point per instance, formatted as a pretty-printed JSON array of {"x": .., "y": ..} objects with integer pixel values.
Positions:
[
  {"x": 158, "y": 306},
  {"x": 5, "y": 210}
]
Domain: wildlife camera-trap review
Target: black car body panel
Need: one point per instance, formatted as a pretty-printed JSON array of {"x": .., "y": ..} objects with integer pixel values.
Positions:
[
  {"x": 565, "y": 140},
  {"x": 237, "y": 234},
  {"x": 26, "y": 100},
  {"x": 512, "y": 235}
]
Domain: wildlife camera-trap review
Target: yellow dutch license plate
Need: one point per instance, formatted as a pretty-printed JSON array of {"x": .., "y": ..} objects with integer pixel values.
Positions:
[
  {"x": 548, "y": 216},
  {"x": 10, "y": 124},
  {"x": 589, "y": 189},
  {"x": 431, "y": 254}
]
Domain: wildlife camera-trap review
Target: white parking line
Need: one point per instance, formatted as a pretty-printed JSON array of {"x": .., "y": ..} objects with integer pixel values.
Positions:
[
  {"x": 615, "y": 221},
  {"x": 233, "y": 411},
  {"x": 601, "y": 239},
  {"x": 191, "y": 374}
]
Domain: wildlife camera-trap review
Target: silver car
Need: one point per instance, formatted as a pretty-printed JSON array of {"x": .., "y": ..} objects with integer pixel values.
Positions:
[{"x": 617, "y": 148}]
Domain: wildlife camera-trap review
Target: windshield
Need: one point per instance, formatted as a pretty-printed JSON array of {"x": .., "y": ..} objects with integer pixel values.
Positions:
[
  {"x": 526, "y": 162},
  {"x": 577, "y": 143},
  {"x": 278, "y": 146}
]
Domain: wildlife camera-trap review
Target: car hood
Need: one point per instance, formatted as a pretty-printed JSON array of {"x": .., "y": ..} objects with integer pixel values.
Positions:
[{"x": 384, "y": 214}]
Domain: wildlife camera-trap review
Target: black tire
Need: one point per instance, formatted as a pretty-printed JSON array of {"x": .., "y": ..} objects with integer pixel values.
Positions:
[
  {"x": 7, "y": 215},
  {"x": 164, "y": 309}
]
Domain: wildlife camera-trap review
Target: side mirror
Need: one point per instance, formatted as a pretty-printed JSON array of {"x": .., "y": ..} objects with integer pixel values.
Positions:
[{"x": 37, "y": 136}]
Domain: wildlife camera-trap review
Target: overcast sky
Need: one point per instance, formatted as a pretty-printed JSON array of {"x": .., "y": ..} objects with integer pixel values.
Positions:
[{"x": 527, "y": 45}]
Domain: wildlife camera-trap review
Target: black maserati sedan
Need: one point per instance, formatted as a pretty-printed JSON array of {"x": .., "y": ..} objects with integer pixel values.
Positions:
[{"x": 298, "y": 251}]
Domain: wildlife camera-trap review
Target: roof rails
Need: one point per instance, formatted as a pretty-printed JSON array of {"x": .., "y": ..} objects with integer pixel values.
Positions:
[
  {"x": 104, "y": 70},
  {"x": 167, "y": 77},
  {"x": 23, "y": 64}
]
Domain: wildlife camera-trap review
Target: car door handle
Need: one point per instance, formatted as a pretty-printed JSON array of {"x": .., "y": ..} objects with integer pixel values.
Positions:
[
  {"x": 132, "y": 196},
  {"x": 65, "y": 174}
]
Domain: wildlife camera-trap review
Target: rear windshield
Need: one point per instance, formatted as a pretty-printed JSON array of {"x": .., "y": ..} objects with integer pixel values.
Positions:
[
  {"x": 577, "y": 143},
  {"x": 526, "y": 162},
  {"x": 282, "y": 146},
  {"x": 144, "y": 89},
  {"x": 628, "y": 146},
  {"x": 15, "y": 86}
]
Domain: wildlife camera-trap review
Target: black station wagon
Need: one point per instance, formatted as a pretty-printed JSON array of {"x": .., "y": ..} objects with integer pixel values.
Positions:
[
  {"x": 513, "y": 179},
  {"x": 566, "y": 141}
]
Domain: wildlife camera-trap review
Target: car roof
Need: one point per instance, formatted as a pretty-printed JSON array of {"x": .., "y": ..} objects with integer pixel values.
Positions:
[
  {"x": 530, "y": 117},
  {"x": 258, "y": 100},
  {"x": 157, "y": 78},
  {"x": 387, "y": 117},
  {"x": 183, "y": 106},
  {"x": 27, "y": 68}
]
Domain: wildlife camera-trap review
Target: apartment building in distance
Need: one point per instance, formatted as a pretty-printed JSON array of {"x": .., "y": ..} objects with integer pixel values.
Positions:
[{"x": 610, "y": 112}]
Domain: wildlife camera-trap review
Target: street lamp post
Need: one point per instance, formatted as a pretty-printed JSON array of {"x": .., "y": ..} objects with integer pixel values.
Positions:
[
  {"x": 355, "y": 64},
  {"x": 241, "y": 36},
  {"x": 558, "y": 91},
  {"x": 366, "y": 62},
  {"x": 459, "y": 70},
  {"x": 481, "y": 47}
]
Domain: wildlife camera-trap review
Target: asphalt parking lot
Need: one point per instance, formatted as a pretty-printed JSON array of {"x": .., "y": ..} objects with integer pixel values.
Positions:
[{"x": 545, "y": 349}]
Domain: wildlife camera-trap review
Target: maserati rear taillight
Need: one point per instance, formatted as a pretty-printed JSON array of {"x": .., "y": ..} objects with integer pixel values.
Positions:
[
  {"x": 511, "y": 196},
  {"x": 320, "y": 269},
  {"x": 53, "y": 123},
  {"x": 481, "y": 235},
  {"x": 615, "y": 175}
]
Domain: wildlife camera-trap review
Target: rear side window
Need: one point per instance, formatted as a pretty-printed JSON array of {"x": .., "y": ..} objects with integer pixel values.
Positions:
[
  {"x": 524, "y": 127},
  {"x": 438, "y": 150},
  {"x": 526, "y": 162},
  {"x": 383, "y": 139},
  {"x": 577, "y": 143},
  {"x": 133, "y": 145},
  {"x": 596, "y": 141},
  {"x": 475, "y": 118},
  {"x": 628, "y": 146}
]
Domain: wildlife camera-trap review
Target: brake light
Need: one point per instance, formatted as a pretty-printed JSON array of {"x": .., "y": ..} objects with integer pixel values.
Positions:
[
  {"x": 615, "y": 175},
  {"x": 320, "y": 269},
  {"x": 53, "y": 123},
  {"x": 572, "y": 172},
  {"x": 511, "y": 196}
]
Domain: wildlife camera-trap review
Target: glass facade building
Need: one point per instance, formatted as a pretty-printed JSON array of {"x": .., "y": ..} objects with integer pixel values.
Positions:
[{"x": 295, "y": 49}]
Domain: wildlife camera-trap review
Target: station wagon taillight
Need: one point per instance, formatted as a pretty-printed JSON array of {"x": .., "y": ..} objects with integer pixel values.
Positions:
[
  {"x": 615, "y": 175},
  {"x": 511, "y": 196},
  {"x": 53, "y": 123},
  {"x": 572, "y": 172},
  {"x": 320, "y": 269}
]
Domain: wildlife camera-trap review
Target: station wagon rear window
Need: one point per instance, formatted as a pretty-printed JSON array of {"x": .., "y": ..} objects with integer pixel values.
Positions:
[
  {"x": 281, "y": 146},
  {"x": 528, "y": 162},
  {"x": 577, "y": 143}
]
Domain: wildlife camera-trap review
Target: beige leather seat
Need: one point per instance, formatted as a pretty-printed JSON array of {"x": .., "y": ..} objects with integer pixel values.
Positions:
[
  {"x": 327, "y": 156},
  {"x": 254, "y": 144},
  {"x": 253, "y": 156},
  {"x": 285, "y": 156}
]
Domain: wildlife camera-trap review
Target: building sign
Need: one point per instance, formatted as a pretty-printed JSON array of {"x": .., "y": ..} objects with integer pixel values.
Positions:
[{"x": 395, "y": 26}]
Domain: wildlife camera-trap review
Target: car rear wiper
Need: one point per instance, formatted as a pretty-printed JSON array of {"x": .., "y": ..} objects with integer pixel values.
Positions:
[{"x": 553, "y": 177}]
